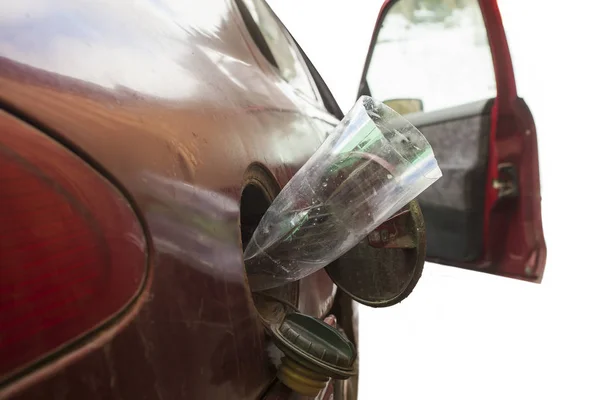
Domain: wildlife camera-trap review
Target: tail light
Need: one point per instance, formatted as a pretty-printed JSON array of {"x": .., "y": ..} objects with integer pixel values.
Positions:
[{"x": 72, "y": 251}]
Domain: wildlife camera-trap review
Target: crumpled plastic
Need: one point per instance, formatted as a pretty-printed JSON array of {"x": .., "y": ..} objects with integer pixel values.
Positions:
[{"x": 371, "y": 165}]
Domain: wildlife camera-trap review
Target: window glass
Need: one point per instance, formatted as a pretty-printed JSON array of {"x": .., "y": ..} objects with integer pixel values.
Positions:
[
  {"x": 435, "y": 51},
  {"x": 289, "y": 61}
]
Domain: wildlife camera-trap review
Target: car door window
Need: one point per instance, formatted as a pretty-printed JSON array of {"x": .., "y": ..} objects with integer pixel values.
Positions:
[
  {"x": 435, "y": 51},
  {"x": 283, "y": 53}
]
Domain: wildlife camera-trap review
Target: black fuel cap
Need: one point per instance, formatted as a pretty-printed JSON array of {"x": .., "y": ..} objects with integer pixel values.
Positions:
[{"x": 314, "y": 352}]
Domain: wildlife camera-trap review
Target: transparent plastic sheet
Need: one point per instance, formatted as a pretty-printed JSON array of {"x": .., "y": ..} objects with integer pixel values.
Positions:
[{"x": 371, "y": 165}]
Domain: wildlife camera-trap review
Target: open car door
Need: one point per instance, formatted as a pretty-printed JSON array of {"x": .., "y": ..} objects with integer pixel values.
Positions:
[{"x": 446, "y": 66}]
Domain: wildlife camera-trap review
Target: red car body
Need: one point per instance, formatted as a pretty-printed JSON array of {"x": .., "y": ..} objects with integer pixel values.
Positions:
[
  {"x": 175, "y": 107},
  {"x": 192, "y": 331}
]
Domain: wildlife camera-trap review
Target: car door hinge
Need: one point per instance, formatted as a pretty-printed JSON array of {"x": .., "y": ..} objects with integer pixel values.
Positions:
[{"x": 507, "y": 183}]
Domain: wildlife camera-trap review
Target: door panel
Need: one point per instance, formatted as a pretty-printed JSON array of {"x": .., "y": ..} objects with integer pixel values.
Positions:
[
  {"x": 485, "y": 212},
  {"x": 454, "y": 206}
]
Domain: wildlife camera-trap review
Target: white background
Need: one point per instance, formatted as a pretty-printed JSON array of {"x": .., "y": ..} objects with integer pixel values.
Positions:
[{"x": 464, "y": 335}]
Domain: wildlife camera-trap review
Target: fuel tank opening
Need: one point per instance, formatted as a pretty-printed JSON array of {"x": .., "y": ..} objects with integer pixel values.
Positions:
[
  {"x": 371, "y": 165},
  {"x": 260, "y": 188},
  {"x": 253, "y": 206},
  {"x": 306, "y": 351}
]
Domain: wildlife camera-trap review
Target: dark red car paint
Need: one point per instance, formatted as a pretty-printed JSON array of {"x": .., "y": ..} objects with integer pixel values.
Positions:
[
  {"x": 513, "y": 140},
  {"x": 173, "y": 101},
  {"x": 176, "y": 124}
]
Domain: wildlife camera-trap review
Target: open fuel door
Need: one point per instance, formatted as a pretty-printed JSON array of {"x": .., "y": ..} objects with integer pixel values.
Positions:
[{"x": 446, "y": 66}]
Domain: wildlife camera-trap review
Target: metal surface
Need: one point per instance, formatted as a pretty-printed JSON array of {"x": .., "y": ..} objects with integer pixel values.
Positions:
[
  {"x": 174, "y": 101},
  {"x": 281, "y": 392},
  {"x": 384, "y": 268}
]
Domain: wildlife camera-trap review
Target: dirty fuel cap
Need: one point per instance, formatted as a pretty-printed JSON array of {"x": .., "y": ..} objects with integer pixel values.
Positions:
[{"x": 314, "y": 352}]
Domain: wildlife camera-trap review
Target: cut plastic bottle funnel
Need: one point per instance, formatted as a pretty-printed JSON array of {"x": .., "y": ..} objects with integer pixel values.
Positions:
[{"x": 370, "y": 166}]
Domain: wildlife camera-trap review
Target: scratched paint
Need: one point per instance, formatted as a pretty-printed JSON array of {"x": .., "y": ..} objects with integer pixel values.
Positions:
[{"x": 173, "y": 100}]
